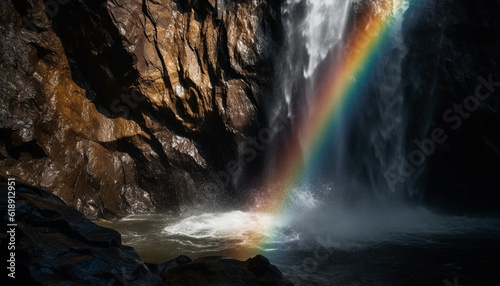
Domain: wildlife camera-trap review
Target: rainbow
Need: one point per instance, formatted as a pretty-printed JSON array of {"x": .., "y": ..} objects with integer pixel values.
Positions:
[{"x": 339, "y": 88}]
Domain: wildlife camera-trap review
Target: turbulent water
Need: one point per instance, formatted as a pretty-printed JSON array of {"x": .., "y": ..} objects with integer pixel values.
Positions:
[
  {"x": 345, "y": 225},
  {"x": 408, "y": 249}
]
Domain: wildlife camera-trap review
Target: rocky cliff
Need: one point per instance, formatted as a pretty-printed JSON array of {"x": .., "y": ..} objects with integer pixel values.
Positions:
[{"x": 134, "y": 106}]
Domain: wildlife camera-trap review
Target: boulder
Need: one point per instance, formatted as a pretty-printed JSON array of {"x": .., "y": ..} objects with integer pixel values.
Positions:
[
  {"x": 222, "y": 271},
  {"x": 56, "y": 244}
]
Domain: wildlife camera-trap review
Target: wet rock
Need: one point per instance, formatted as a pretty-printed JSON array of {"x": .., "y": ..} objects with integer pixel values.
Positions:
[
  {"x": 169, "y": 265},
  {"x": 222, "y": 271},
  {"x": 130, "y": 106},
  {"x": 56, "y": 244}
]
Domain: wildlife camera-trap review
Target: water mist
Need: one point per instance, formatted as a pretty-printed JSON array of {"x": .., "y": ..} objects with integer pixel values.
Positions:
[{"x": 345, "y": 193}]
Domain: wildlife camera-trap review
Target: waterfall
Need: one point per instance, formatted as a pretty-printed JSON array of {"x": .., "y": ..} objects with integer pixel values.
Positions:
[
  {"x": 325, "y": 22},
  {"x": 375, "y": 139},
  {"x": 348, "y": 182},
  {"x": 313, "y": 28}
]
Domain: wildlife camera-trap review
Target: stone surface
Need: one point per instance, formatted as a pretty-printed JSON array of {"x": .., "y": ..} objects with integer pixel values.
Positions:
[
  {"x": 133, "y": 106},
  {"x": 221, "y": 271},
  {"x": 56, "y": 244},
  {"x": 169, "y": 265}
]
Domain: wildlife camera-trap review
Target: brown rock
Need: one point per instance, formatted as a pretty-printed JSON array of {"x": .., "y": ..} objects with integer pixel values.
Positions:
[{"x": 131, "y": 106}]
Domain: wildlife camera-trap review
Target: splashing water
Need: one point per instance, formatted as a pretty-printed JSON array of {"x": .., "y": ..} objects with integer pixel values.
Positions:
[{"x": 238, "y": 225}]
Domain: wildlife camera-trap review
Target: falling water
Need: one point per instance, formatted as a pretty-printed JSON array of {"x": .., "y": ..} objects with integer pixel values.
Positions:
[
  {"x": 323, "y": 29},
  {"x": 374, "y": 141},
  {"x": 313, "y": 28},
  {"x": 347, "y": 190}
]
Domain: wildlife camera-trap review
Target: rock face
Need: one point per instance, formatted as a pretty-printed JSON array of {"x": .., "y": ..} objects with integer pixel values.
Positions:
[
  {"x": 454, "y": 48},
  {"x": 134, "y": 106},
  {"x": 56, "y": 245}
]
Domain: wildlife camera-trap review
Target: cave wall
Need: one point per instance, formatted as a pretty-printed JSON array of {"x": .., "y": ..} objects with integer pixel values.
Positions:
[
  {"x": 454, "y": 48},
  {"x": 134, "y": 106}
]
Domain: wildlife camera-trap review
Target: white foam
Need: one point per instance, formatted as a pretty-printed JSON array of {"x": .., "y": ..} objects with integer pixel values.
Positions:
[{"x": 243, "y": 226}]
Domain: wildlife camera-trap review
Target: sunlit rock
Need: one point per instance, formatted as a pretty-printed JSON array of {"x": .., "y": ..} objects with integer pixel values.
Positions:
[{"x": 111, "y": 102}]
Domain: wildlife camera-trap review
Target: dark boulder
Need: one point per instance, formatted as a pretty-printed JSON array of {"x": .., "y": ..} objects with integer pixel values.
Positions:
[
  {"x": 223, "y": 271},
  {"x": 169, "y": 265},
  {"x": 55, "y": 243}
]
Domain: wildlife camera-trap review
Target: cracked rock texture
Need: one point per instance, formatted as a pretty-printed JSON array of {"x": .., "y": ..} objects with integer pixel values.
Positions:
[{"x": 134, "y": 106}]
